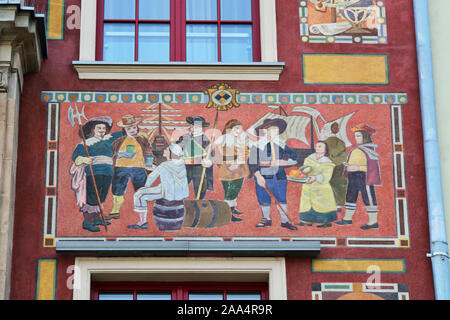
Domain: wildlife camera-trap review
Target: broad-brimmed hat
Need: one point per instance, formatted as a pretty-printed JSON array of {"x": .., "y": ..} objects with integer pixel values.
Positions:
[
  {"x": 364, "y": 128},
  {"x": 91, "y": 123},
  {"x": 280, "y": 123},
  {"x": 196, "y": 120},
  {"x": 128, "y": 121}
]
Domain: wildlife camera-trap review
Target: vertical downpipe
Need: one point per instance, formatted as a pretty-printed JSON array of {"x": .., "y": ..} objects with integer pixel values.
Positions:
[{"x": 436, "y": 216}]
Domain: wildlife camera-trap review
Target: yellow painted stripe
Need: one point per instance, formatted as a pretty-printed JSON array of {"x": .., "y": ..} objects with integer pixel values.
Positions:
[
  {"x": 359, "y": 265},
  {"x": 55, "y": 16},
  {"x": 46, "y": 279},
  {"x": 345, "y": 69}
]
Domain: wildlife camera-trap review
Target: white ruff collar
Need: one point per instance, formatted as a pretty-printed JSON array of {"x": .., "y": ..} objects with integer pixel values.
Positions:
[
  {"x": 93, "y": 140},
  {"x": 263, "y": 142},
  {"x": 324, "y": 159},
  {"x": 231, "y": 140}
]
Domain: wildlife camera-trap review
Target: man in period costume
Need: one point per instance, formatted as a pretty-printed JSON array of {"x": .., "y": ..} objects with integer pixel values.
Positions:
[
  {"x": 363, "y": 172},
  {"x": 195, "y": 146},
  {"x": 173, "y": 186},
  {"x": 231, "y": 157},
  {"x": 130, "y": 153},
  {"x": 338, "y": 155},
  {"x": 266, "y": 163},
  {"x": 99, "y": 144}
]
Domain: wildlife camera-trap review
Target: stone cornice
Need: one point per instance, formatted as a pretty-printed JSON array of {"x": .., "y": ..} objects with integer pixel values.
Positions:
[
  {"x": 258, "y": 71},
  {"x": 24, "y": 31}
]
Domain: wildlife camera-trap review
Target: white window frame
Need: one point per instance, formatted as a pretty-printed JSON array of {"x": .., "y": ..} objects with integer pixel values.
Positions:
[
  {"x": 269, "y": 69},
  {"x": 185, "y": 268}
]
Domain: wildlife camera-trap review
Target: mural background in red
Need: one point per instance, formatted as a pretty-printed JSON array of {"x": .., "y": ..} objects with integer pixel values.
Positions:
[{"x": 70, "y": 219}]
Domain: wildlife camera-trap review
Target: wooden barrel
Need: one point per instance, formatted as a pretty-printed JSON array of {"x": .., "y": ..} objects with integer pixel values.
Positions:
[
  {"x": 206, "y": 213},
  {"x": 168, "y": 215}
]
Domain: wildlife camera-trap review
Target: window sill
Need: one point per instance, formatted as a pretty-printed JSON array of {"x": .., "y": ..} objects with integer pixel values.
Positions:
[{"x": 257, "y": 71}]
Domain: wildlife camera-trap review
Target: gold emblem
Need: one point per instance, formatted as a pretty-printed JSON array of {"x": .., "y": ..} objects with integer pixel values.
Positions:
[{"x": 222, "y": 97}]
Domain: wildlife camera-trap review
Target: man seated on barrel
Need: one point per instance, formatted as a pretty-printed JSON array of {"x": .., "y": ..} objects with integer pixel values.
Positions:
[{"x": 169, "y": 193}]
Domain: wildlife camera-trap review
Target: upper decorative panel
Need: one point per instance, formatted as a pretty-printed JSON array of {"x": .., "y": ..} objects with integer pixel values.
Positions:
[{"x": 343, "y": 21}]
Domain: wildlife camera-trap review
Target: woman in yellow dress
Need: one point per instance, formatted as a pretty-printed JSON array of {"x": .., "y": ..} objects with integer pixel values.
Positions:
[{"x": 317, "y": 202}]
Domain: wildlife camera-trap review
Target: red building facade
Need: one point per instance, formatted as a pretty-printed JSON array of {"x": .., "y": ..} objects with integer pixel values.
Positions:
[{"x": 310, "y": 65}]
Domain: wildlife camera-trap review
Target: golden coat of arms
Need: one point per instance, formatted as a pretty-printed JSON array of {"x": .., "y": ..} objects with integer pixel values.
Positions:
[{"x": 222, "y": 97}]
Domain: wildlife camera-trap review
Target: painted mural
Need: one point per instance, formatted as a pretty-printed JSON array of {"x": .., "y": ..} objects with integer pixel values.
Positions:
[
  {"x": 343, "y": 21},
  {"x": 226, "y": 164},
  {"x": 359, "y": 291}
]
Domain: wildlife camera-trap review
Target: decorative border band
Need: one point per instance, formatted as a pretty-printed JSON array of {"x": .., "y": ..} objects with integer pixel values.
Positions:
[{"x": 243, "y": 97}]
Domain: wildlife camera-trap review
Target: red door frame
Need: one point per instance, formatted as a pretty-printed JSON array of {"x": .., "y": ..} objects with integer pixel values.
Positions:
[
  {"x": 178, "y": 24},
  {"x": 179, "y": 290}
]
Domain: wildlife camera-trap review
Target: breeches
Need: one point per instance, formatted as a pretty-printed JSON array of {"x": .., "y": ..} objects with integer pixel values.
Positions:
[
  {"x": 278, "y": 189},
  {"x": 194, "y": 174},
  {"x": 138, "y": 176},
  {"x": 145, "y": 195},
  {"x": 356, "y": 185},
  {"x": 232, "y": 188},
  {"x": 103, "y": 183}
]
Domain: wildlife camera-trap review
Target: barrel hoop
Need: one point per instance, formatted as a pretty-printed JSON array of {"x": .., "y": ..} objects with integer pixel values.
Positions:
[
  {"x": 216, "y": 214},
  {"x": 169, "y": 215},
  {"x": 165, "y": 208},
  {"x": 197, "y": 214},
  {"x": 169, "y": 220}
]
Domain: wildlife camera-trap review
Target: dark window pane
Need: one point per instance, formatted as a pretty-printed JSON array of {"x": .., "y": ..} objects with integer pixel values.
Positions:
[
  {"x": 118, "y": 42},
  {"x": 201, "y": 9},
  {"x": 236, "y": 10},
  {"x": 154, "y": 9},
  {"x": 154, "y": 42},
  {"x": 242, "y": 295},
  {"x": 120, "y": 9},
  {"x": 201, "y": 43},
  {"x": 237, "y": 43},
  {"x": 161, "y": 295},
  {"x": 115, "y": 296}
]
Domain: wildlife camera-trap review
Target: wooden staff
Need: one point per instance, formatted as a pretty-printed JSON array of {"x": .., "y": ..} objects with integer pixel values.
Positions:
[
  {"x": 207, "y": 153},
  {"x": 275, "y": 199}
]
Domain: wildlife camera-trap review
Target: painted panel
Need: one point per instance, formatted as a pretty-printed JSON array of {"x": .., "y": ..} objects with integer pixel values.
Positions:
[
  {"x": 233, "y": 202},
  {"x": 343, "y": 21},
  {"x": 55, "y": 19},
  {"x": 359, "y": 291},
  {"x": 358, "y": 265},
  {"x": 46, "y": 279},
  {"x": 345, "y": 69}
]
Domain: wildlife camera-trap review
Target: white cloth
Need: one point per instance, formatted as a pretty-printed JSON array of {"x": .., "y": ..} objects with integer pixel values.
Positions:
[{"x": 173, "y": 184}]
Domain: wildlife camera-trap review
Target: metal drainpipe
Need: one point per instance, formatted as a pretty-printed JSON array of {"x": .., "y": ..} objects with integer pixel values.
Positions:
[{"x": 436, "y": 216}]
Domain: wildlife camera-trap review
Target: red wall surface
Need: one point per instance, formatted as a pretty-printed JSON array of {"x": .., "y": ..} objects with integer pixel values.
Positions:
[{"x": 57, "y": 73}]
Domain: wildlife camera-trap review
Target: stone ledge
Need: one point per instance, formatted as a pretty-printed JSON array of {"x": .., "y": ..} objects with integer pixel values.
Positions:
[{"x": 258, "y": 71}]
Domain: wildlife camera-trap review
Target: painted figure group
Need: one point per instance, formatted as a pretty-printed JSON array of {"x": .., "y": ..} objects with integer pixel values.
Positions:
[
  {"x": 114, "y": 159},
  {"x": 337, "y": 179}
]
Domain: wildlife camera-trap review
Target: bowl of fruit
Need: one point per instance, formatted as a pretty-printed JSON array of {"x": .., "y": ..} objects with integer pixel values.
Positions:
[{"x": 299, "y": 175}]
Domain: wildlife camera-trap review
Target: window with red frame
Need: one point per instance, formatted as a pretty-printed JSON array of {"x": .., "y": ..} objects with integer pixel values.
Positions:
[
  {"x": 178, "y": 291},
  {"x": 178, "y": 30}
]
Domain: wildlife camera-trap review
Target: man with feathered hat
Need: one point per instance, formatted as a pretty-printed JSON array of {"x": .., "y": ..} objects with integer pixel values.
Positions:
[
  {"x": 99, "y": 144},
  {"x": 363, "y": 173},
  {"x": 130, "y": 154},
  {"x": 195, "y": 145},
  {"x": 266, "y": 163}
]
